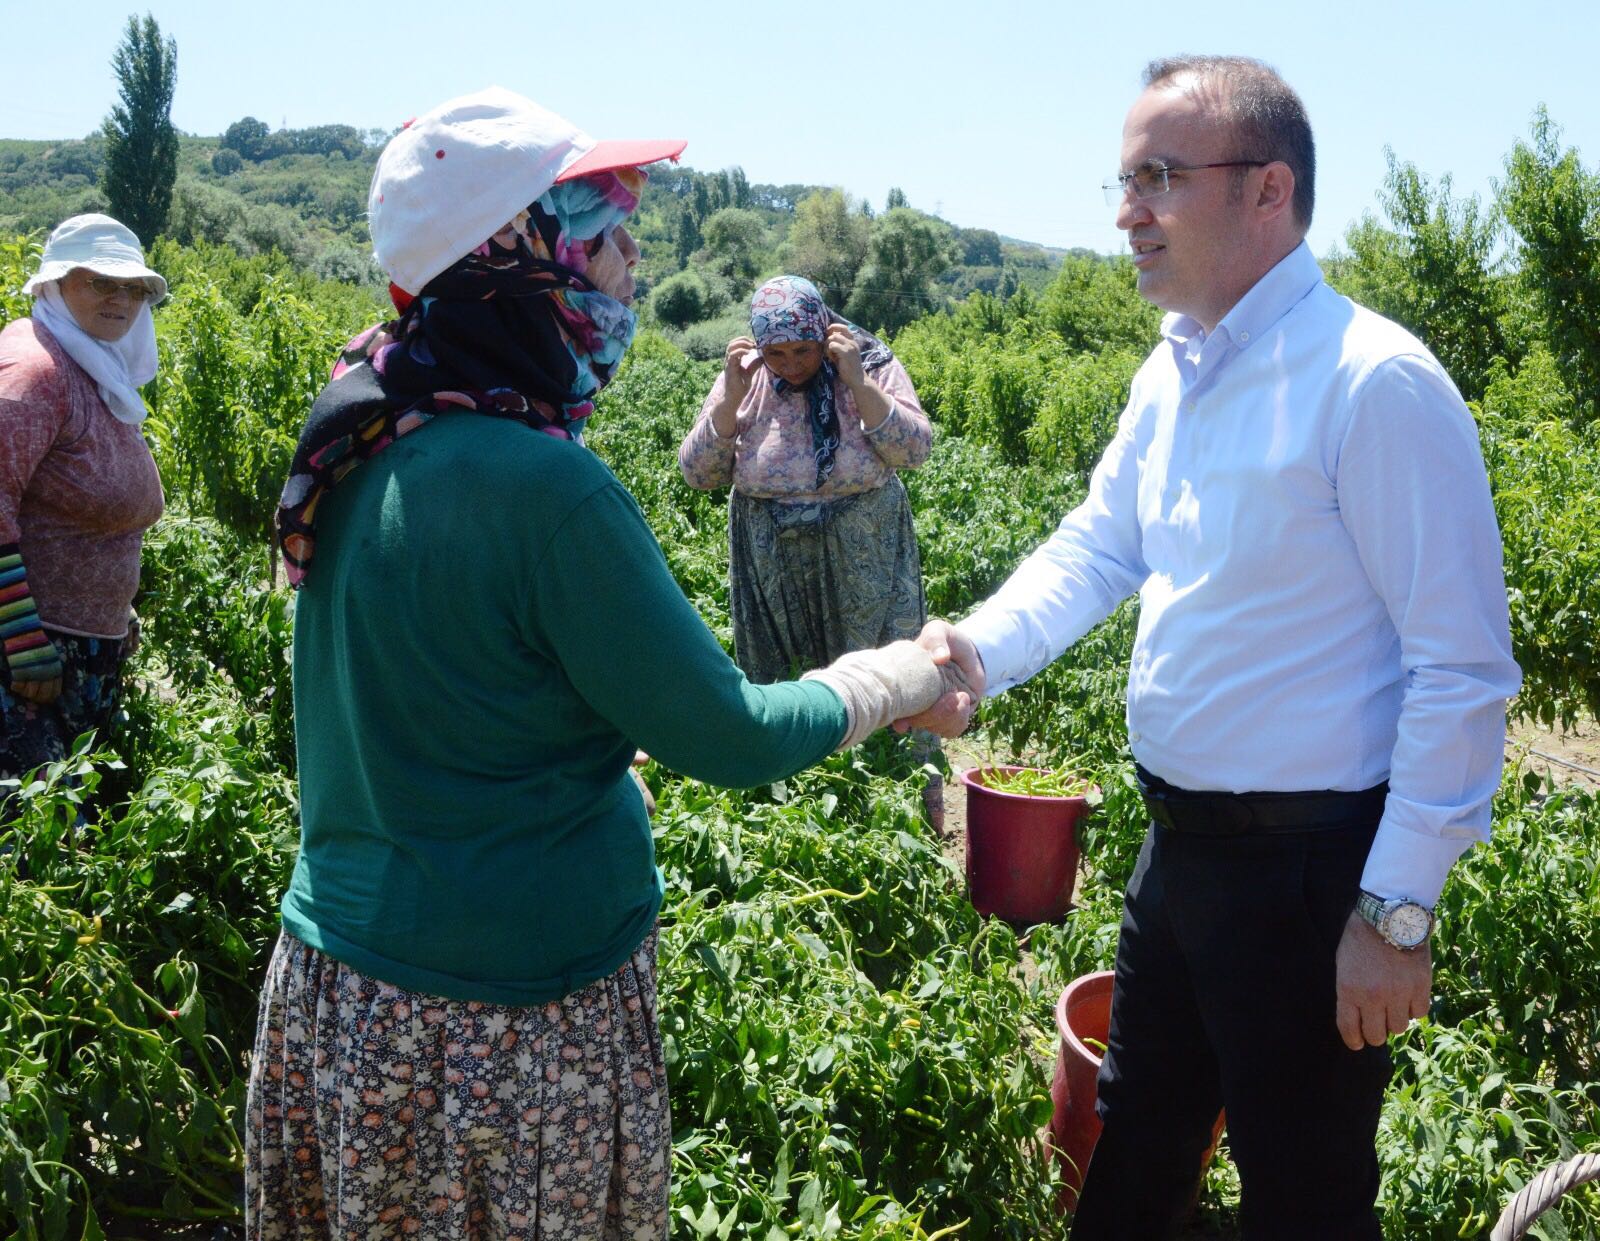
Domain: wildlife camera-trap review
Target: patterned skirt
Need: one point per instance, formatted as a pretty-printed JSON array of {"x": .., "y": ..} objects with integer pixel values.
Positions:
[
  {"x": 32, "y": 734},
  {"x": 376, "y": 1112},
  {"x": 808, "y": 582}
]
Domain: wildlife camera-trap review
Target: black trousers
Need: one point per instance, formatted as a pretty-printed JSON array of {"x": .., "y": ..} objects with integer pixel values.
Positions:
[{"x": 1224, "y": 998}]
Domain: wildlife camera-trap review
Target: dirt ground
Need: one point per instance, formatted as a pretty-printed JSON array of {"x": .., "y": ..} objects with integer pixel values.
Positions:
[{"x": 1571, "y": 757}]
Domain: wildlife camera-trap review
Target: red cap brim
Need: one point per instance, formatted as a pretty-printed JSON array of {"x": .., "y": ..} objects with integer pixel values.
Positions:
[{"x": 608, "y": 155}]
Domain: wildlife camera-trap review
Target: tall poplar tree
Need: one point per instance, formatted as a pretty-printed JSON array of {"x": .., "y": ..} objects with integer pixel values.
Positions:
[{"x": 141, "y": 144}]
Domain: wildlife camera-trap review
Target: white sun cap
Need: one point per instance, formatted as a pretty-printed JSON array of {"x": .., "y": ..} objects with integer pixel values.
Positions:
[
  {"x": 455, "y": 176},
  {"x": 101, "y": 244}
]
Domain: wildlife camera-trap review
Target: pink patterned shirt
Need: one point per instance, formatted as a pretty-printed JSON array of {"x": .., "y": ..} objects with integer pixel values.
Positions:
[
  {"x": 769, "y": 455},
  {"x": 78, "y": 489}
]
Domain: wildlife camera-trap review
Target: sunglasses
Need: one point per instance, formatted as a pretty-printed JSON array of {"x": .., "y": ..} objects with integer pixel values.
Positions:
[{"x": 105, "y": 286}]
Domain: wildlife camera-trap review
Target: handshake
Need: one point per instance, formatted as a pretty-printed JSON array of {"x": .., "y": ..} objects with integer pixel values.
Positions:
[{"x": 934, "y": 683}]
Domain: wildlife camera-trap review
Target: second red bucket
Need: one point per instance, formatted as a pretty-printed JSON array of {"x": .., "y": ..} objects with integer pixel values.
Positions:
[{"x": 1022, "y": 850}]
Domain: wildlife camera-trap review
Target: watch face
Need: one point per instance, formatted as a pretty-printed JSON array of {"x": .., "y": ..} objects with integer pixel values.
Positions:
[{"x": 1408, "y": 924}]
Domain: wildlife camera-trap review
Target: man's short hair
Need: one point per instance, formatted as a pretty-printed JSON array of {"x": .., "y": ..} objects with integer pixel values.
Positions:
[{"x": 1267, "y": 117}]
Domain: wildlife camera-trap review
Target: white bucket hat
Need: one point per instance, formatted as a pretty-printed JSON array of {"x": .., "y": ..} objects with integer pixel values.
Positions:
[
  {"x": 455, "y": 176},
  {"x": 101, "y": 244}
]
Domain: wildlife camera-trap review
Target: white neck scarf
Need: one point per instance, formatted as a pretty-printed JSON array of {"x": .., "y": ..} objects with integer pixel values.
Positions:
[{"x": 118, "y": 367}]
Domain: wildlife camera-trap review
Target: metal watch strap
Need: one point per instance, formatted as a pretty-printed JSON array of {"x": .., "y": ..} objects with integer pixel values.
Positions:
[
  {"x": 1377, "y": 913},
  {"x": 1370, "y": 909}
]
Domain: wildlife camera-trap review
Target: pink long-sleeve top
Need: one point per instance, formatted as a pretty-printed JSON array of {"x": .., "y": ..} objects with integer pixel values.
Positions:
[
  {"x": 769, "y": 455},
  {"x": 78, "y": 488}
]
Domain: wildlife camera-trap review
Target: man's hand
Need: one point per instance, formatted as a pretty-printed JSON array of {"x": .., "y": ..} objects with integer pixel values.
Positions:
[
  {"x": 1380, "y": 989},
  {"x": 949, "y": 716}
]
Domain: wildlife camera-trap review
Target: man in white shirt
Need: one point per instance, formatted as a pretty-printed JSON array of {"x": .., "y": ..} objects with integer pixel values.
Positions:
[{"x": 1317, "y": 695}]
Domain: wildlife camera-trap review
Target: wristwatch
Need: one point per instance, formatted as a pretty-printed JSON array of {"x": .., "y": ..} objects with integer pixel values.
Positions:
[{"x": 1404, "y": 924}]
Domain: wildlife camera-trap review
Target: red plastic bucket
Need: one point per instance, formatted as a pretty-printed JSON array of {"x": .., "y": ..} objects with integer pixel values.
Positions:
[
  {"x": 1082, "y": 1013},
  {"x": 1022, "y": 851}
]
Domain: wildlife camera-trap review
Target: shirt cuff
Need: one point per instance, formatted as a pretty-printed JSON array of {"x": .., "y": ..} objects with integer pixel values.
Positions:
[
  {"x": 894, "y": 408},
  {"x": 993, "y": 632},
  {"x": 1407, "y": 865},
  {"x": 726, "y": 439}
]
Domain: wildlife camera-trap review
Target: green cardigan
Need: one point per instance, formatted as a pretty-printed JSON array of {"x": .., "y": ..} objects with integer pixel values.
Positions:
[{"x": 487, "y": 632}]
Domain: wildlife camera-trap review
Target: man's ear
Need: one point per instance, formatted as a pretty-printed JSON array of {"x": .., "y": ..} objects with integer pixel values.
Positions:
[{"x": 1276, "y": 193}]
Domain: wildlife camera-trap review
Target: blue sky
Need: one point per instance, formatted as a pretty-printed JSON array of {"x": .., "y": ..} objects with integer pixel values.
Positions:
[{"x": 994, "y": 113}]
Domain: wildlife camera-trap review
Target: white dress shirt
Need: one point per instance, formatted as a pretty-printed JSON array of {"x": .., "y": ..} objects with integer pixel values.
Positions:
[{"x": 1299, "y": 498}]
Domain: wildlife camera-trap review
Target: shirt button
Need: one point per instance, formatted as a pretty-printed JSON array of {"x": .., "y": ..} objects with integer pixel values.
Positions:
[
  {"x": 1134, "y": 736},
  {"x": 1244, "y": 335}
]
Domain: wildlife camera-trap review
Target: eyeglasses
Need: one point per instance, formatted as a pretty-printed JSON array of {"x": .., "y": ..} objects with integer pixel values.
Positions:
[
  {"x": 1148, "y": 182},
  {"x": 105, "y": 286}
]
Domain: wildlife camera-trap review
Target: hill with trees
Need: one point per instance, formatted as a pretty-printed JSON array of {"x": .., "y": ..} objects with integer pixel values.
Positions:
[{"x": 707, "y": 237}]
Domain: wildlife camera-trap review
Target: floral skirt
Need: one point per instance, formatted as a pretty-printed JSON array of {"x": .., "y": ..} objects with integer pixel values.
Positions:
[
  {"x": 376, "y": 1112},
  {"x": 91, "y": 680},
  {"x": 809, "y": 582}
]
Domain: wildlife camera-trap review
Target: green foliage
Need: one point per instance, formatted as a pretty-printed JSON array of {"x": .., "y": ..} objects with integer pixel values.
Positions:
[
  {"x": 19, "y": 259},
  {"x": 734, "y": 246},
  {"x": 232, "y": 392},
  {"x": 1433, "y": 273},
  {"x": 1460, "y": 1134},
  {"x": 129, "y": 964},
  {"x": 1093, "y": 304},
  {"x": 827, "y": 244},
  {"x": 707, "y": 340},
  {"x": 838, "y": 1013},
  {"x": 976, "y": 518},
  {"x": 686, "y": 298},
  {"x": 1553, "y": 204},
  {"x": 1546, "y": 481},
  {"x": 907, "y": 253},
  {"x": 141, "y": 144}
]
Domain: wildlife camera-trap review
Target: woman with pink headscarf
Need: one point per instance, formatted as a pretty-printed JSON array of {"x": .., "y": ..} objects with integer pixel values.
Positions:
[{"x": 810, "y": 421}]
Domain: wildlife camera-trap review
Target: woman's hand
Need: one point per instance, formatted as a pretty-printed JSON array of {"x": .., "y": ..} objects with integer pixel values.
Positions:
[
  {"x": 872, "y": 402},
  {"x": 845, "y": 355},
  {"x": 739, "y": 362}
]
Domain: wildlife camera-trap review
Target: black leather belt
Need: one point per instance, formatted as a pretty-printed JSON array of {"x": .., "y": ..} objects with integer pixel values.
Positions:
[{"x": 1234, "y": 814}]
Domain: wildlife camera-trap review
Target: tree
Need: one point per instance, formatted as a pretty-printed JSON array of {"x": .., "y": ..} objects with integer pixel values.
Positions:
[
  {"x": 733, "y": 243},
  {"x": 908, "y": 252},
  {"x": 685, "y": 298},
  {"x": 980, "y": 246},
  {"x": 827, "y": 244},
  {"x": 247, "y": 136},
  {"x": 741, "y": 188},
  {"x": 141, "y": 144},
  {"x": 1553, "y": 204},
  {"x": 897, "y": 198},
  {"x": 1433, "y": 273},
  {"x": 686, "y": 237}
]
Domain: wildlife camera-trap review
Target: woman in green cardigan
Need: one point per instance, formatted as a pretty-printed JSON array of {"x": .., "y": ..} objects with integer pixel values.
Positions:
[{"x": 458, "y": 1027}]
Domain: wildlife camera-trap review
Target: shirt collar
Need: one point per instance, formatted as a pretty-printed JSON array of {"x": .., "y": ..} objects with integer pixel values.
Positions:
[{"x": 1269, "y": 299}]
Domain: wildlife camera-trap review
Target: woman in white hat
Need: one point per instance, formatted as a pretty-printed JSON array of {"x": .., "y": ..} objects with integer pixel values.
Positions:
[
  {"x": 78, "y": 487},
  {"x": 458, "y": 1032}
]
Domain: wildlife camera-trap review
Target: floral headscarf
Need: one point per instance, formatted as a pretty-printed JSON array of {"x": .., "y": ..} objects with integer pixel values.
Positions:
[
  {"x": 789, "y": 308},
  {"x": 514, "y": 329}
]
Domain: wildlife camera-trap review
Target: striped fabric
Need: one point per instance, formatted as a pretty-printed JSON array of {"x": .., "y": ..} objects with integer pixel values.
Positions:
[{"x": 29, "y": 654}]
